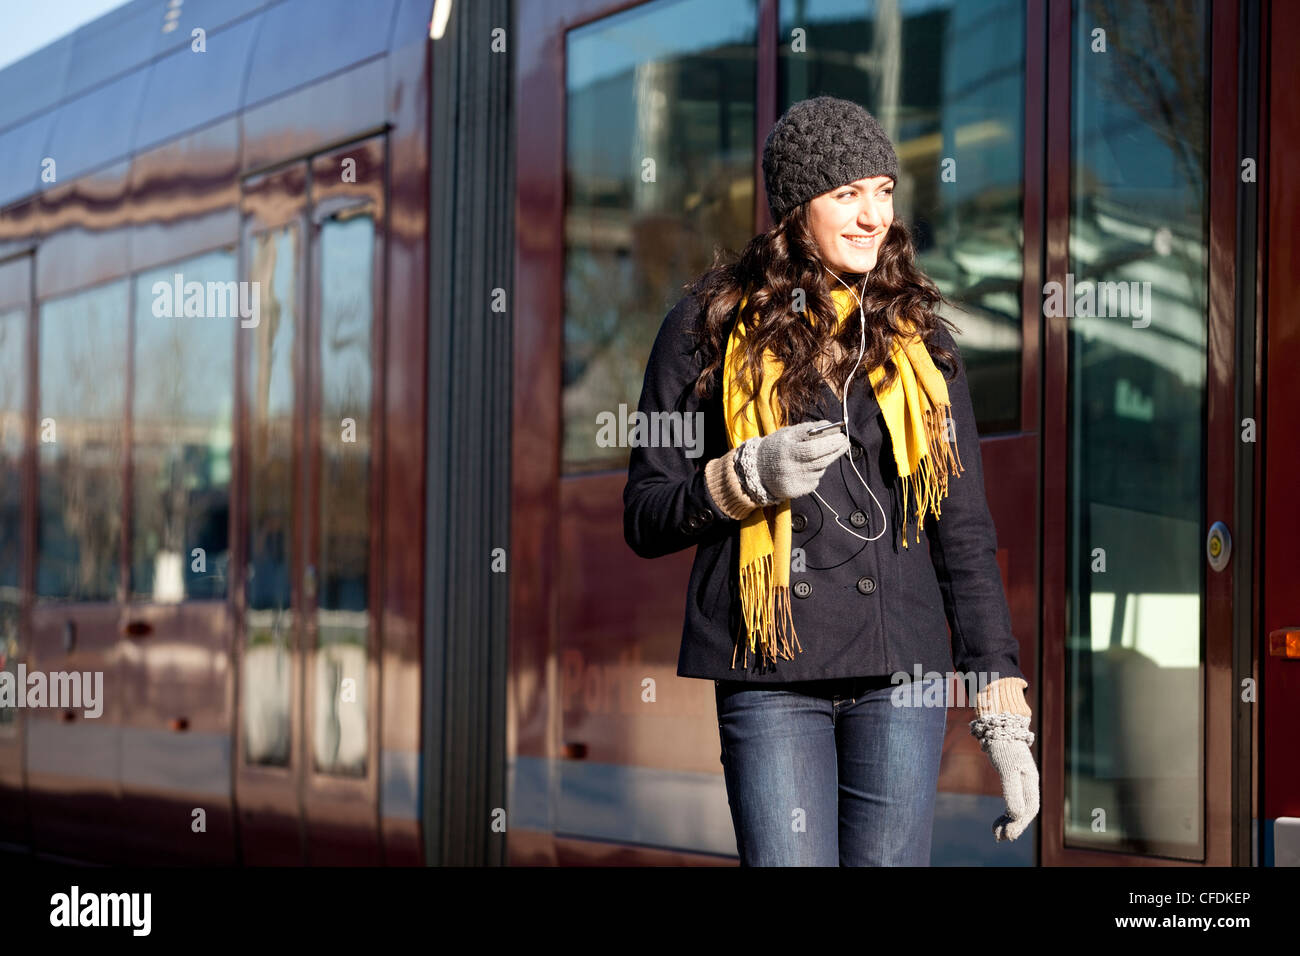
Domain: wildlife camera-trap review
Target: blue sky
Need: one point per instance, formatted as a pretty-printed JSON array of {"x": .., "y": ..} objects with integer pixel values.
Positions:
[{"x": 32, "y": 24}]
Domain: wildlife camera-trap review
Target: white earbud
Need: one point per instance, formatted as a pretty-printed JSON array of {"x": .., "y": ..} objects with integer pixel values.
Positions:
[{"x": 844, "y": 403}]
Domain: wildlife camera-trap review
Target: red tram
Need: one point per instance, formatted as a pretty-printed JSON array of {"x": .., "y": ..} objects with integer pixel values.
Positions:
[
  {"x": 223, "y": 522},
  {"x": 310, "y": 311}
]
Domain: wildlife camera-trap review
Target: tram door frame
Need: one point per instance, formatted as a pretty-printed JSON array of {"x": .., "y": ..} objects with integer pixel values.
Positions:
[
  {"x": 292, "y": 813},
  {"x": 1220, "y": 439},
  {"x": 17, "y": 275}
]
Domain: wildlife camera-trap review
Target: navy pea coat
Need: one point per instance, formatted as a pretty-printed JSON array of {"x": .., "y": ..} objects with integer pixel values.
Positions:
[{"x": 860, "y": 608}]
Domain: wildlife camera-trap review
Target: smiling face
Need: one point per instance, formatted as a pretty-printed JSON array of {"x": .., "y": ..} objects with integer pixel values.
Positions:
[{"x": 850, "y": 222}]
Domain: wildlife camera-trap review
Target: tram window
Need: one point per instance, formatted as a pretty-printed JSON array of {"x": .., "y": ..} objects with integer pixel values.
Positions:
[
  {"x": 345, "y": 448},
  {"x": 670, "y": 83},
  {"x": 946, "y": 80},
  {"x": 185, "y": 328},
  {"x": 13, "y": 378},
  {"x": 80, "y": 415},
  {"x": 271, "y": 390}
]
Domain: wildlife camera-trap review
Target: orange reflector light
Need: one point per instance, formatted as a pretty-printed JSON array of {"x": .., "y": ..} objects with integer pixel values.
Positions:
[{"x": 1284, "y": 642}]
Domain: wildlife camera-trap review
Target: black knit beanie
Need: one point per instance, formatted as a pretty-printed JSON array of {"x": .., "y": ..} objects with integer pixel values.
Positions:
[{"x": 819, "y": 144}]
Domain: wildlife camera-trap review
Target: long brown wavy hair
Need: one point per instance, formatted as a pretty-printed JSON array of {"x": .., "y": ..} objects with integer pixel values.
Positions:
[{"x": 786, "y": 258}]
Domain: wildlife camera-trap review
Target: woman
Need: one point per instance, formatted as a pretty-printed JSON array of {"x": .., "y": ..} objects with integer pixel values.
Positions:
[{"x": 829, "y": 759}]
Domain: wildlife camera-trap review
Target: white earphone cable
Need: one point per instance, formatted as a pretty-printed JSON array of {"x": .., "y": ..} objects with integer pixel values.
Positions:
[{"x": 844, "y": 402}]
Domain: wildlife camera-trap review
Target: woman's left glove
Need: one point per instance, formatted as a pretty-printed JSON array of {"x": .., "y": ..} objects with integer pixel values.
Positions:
[{"x": 1002, "y": 728}]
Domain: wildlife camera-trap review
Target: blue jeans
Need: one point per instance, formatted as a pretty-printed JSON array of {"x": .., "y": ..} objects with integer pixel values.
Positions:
[{"x": 829, "y": 772}]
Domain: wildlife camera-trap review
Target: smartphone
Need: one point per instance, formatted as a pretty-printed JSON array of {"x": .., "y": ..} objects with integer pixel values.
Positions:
[{"x": 826, "y": 428}]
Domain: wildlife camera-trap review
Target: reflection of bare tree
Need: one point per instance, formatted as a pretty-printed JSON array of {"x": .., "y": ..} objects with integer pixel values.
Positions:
[
  {"x": 271, "y": 429},
  {"x": 1156, "y": 68},
  {"x": 624, "y": 271},
  {"x": 161, "y": 498},
  {"x": 87, "y": 335},
  {"x": 631, "y": 244},
  {"x": 347, "y": 251},
  {"x": 1159, "y": 54},
  {"x": 178, "y": 435}
]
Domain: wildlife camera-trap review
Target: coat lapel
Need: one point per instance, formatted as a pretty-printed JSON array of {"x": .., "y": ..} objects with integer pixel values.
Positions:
[{"x": 863, "y": 406}]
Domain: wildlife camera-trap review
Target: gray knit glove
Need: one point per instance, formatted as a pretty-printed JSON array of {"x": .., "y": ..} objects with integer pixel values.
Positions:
[
  {"x": 788, "y": 463},
  {"x": 1006, "y": 739}
]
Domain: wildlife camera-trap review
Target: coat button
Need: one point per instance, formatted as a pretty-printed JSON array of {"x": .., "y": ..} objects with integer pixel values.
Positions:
[
  {"x": 858, "y": 519},
  {"x": 802, "y": 589},
  {"x": 856, "y": 451},
  {"x": 798, "y": 522},
  {"x": 866, "y": 585},
  {"x": 696, "y": 521}
]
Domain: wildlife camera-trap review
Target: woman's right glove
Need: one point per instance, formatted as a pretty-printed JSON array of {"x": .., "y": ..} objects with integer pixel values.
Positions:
[{"x": 788, "y": 463}]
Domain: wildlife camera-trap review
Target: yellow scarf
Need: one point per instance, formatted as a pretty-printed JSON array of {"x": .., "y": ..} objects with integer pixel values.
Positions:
[{"x": 915, "y": 406}]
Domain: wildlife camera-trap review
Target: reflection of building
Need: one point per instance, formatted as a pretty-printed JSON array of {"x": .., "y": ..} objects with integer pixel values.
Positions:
[
  {"x": 630, "y": 242},
  {"x": 340, "y": 675},
  {"x": 266, "y": 717},
  {"x": 263, "y": 272},
  {"x": 625, "y": 238},
  {"x": 339, "y": 728}
]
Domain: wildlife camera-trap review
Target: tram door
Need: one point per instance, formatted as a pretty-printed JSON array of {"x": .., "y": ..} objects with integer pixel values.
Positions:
[
  {"x": 268, "y": 744},
  {"x": 1139, "y": 703},
  {"x": 307, "y": 728},
  {"x": 341, "y": 583},
  {"x": 174, "y": 646},
  {"x": 15, "y": 296},
  {"x": 73, "y": 754}
]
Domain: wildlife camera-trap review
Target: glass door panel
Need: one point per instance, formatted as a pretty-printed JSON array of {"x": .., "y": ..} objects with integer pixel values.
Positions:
[
  {"x": 344, "y": 448},
  {"x": 1135, "y": 299},
  {"x": 272, "y": 402},
  {"x": 271, "y": 544},
  {"x": 344, "y": 342},
  {"x": 946, "y": 80}
]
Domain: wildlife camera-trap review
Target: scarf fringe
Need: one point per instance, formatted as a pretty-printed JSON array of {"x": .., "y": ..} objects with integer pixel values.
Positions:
[
  {"x": 929, "y": 483},
  {"x": 769, "y": 619}
]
